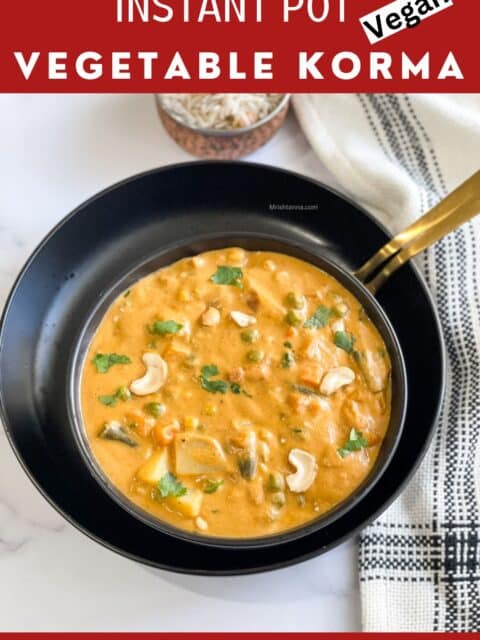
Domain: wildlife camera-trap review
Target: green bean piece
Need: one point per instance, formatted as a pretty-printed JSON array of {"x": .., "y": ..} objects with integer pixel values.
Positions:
[
  {"x": 247, "y": 466},
  {"x": 115, "y": 431}
]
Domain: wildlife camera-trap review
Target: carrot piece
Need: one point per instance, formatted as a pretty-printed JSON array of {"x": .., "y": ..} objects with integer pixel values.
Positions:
[
  {"x": 164, "y": 435},
  {"x": 292, "y": 332},
  {"x": 298, "y": 402},
  {"x": 315, "y": 407},
  {"x": 311, "y": 373},
  {"x": 142, "y": 423}
]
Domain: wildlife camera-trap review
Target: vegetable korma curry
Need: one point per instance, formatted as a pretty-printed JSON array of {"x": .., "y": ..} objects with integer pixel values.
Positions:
[{"x": 236, "y": 394}]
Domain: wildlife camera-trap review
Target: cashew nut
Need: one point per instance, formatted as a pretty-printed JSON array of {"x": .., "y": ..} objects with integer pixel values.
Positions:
[
  {"x": 242, "y": 319},
  {"x": 154, "y": 378},
  {"x": 306, "y": 470},
  {"x": 210, "y": 317},
  {"x": 335, "y": 379}
]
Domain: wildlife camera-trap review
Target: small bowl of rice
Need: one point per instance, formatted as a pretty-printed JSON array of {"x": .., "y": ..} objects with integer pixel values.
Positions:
[{"x": 222, "y": 125}]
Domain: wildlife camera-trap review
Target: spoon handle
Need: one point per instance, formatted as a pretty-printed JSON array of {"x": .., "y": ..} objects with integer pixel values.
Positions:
[{"x": 458, "y": 207}]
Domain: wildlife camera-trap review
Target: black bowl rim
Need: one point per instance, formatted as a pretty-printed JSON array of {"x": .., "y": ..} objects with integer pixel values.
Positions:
[
  {"x": 301, "y": 557},
  {"x": 77, "y": 362}
]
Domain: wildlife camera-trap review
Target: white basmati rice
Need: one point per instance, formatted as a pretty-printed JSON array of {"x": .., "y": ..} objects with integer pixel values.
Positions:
[{"x": 220, "y": 110}]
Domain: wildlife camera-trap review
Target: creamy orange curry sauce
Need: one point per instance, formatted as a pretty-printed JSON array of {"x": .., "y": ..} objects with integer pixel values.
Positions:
[{"x": 236, "y": 394}]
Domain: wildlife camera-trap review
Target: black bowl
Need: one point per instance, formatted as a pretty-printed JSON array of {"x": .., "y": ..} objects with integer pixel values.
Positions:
[{"x": 148, "y": 221}]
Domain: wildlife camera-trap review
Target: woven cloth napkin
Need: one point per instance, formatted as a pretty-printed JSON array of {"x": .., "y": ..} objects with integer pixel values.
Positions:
[{"x": 398, "y": 155}]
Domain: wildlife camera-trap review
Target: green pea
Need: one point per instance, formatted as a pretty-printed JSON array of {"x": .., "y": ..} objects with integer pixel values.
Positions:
[
  {"x": 295, "y": 300},
  {"x": 293, "y": 318},
  {"x": 276, "y": 482},
  {"x": 155, "y": 409},
  {"x": 255, "y": 356},
  {"x": 278, "y": 499},
  {"x": 250, "y": 336},
  {"x": 123, "y": 393}
]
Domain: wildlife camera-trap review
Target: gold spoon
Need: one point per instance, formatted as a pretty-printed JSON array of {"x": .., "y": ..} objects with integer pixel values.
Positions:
[{"x": 461, "y": 205}]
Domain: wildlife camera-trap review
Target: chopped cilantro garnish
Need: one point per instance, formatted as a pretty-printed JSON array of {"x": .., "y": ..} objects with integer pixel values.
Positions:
[
  {"x": 319, "y": 319},
  {"x": 122, "y": 393},
  {"x": 355, "y": 442},
  {"x": 217, "y": 386},
  {"x": 214, "y": 386},
  {"x": 104, "y": 361},
  {"x": 210, "y": 370},
  {"x": 167, "y": 327},
  {"x": 170, "y": 486},
  {"x": 229, "y": 276},
  {"x": 212, "y": 486},
  {"x": 344, "y": 341},
  {"x": 109, "y": 401}
]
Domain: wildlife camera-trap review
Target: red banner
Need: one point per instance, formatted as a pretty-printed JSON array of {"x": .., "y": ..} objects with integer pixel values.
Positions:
[
  {"x": 235, "y": 636},
  {"x": 239, "y": 45}
]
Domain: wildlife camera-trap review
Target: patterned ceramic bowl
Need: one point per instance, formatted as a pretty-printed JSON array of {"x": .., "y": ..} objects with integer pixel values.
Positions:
[{"x": 224, "y": 145}]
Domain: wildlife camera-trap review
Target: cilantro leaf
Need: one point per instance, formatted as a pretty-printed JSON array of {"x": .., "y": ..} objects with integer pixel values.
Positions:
[
  {"x": 217, "y": 386},
  {"x": 104, "y": 361},
  {"x": 122, "y": 393},
  {"x": 355, "y": 442},
  {"x": 165, "y": 328},
  {"x": 344, "y": 341},
  {"x": 229, "y": 276},
  {"x": 212, "y": 486},
  {"x": 319, "y": 319},
  {"x": 170, "y": 486},
  {"x": 210, "y": 370},
  {"x": 109, "y": 401},
  {"x": 214, "y": 386}
]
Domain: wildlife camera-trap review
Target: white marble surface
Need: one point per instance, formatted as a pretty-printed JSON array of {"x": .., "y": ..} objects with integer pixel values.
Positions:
[{"x": 55, "y": 151}]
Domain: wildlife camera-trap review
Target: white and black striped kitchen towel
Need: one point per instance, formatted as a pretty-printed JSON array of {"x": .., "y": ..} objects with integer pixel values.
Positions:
[{"x": 398, "y": 155}]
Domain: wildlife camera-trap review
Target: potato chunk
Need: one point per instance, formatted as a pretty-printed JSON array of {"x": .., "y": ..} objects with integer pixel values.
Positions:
[
  {"x": 197, "y": 454},
  {"x": 154, "y": 468},
  {"x": 188, "y": 505}
]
